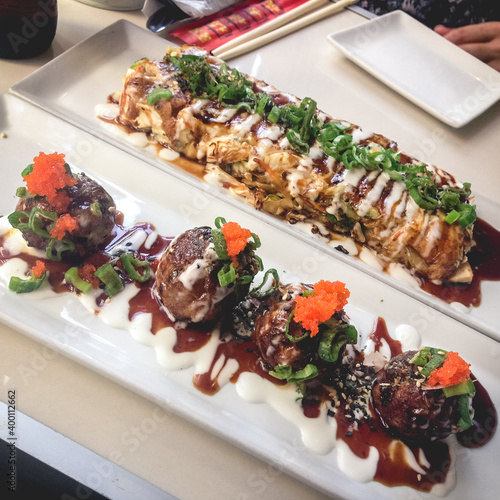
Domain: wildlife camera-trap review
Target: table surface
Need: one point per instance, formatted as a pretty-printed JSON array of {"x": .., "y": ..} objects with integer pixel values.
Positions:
[{"x": 174, "y": 454}]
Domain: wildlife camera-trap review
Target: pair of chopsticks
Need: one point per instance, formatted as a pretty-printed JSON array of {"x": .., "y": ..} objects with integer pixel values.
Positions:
[{"x": 280, "y": 27}]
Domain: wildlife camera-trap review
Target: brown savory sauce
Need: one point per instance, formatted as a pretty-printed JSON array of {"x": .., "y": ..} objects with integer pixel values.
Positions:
[
  {"x": 484, "y": 259},
  {"x": 392, "y": 469},
  {"x": 380, "y": 332}
]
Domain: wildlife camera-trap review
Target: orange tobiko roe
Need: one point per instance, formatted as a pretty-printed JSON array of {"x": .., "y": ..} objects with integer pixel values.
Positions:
[
  {"x": 48, "y": 177},
  {"x": 64, "y": 224},
  {"x": 87, "y": 273},
  {"x": 328, "y": 297},
  {"x": 236, "y": 238},
  {"x": 453, "y": 371},
  {"x": 38, "y": 269}
]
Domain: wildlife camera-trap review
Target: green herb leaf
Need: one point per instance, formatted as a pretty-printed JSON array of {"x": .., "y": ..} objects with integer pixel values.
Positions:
[
  {"x": 334, "y": 340},
  {"x": 285, "y": 372}
]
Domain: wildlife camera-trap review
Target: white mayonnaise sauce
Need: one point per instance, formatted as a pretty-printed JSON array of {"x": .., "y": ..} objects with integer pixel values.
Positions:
[
  {"x": 198, "y": 269},
  {"x": 359, "y": 135},
  {"x": 374, "y": 194},
  {"x": 318, "y": 434}
]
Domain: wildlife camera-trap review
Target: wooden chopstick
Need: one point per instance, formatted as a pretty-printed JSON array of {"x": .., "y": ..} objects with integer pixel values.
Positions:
[
  {"x": 284, "y": 30},
  {"x": 275, "y": 23}
]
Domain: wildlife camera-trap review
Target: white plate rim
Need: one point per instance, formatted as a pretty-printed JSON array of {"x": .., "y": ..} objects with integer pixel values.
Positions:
[{"x": 392, "y": 19}]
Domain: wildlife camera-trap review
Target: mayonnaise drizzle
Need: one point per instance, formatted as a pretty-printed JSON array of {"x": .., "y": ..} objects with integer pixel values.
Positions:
[{"x": 318, "y": 434}]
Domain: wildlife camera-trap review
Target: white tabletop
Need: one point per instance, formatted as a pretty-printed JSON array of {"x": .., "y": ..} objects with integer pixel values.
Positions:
[{"x": 128, "y": 430}]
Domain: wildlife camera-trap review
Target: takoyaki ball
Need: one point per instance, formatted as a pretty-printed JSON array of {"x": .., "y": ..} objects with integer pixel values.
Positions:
[
  {"x": 408, "y": 410},
  {"x": 91, "y": 206},
  {"x": 186, "y": 278},
  {"x": 270, "y": 327}
]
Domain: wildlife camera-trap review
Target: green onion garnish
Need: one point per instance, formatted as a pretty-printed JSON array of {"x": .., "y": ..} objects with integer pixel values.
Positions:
[
  {"x": 434, "y": 362},
  {"x": 16, "y": 220},
  {"x": 107, "y": 274},
  {"x": 132, "y": 265},
  {"x": 256, "y": 292},
  {"x": 20, "y": 285},
  {"x": 27, "y": 170},
  {"x": 465, "y": 420},
  {"x": 55, "y": 248},
  {"x": 95, "y": 209},
  {"x": 466, "y": 387},
  {"x": 157, "y": 94},
  {"x": 139, "y": 62},
  {"x": 285, "y": 372},
  {"x": 227, "y": 274},
  {"x": 71, "y": 276},
  {"x": 335, "y": 339},
  {"x": 287, "y": 328}
]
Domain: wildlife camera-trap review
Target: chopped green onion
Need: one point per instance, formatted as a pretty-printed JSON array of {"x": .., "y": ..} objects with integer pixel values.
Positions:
[
  {"x": 227, "y": 275},
  {"x": 71, "y": 276},
  {"x": 139, "y": 62},
  {"x": 95, "y": 209},
  {"x": 131, "y": 264},
  {"x": 285, "y": 372},
  {"x": 38, "y": 221},
  {"x": 107, "y": 274},
  {"x": 422, "y": 356},
  {"x": 466, "y": 387},
  {"x": 435, "y": 362},
  {"x": 452, "y": 217},
  {"x": 465, "y": 420},
  {"x": 334, "y": 339},
  {"x": 256, "y": 292},
  {"x": 55, "y": 248},
  {"x": 219, "y": 222},
  {"x": 20, "y": 285},
  {"x": 297, "y": 143},
  {"x": 287, "y": 328},
  {"x": 274, "y": 115},
  {"x": 15, "y": 220},
  {"x": 27, "y": 170},
  {"x": 467, "y": 214},
  {"x": 22, "y": 192},
  {"x": 157, "y": 94},
  {"x": 220, "y": 244}
]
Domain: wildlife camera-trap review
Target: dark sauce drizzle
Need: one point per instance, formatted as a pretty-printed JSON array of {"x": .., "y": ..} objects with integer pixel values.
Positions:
[
  {"x": 391, "y": 470},
  {"x": 484, "y": 257}
]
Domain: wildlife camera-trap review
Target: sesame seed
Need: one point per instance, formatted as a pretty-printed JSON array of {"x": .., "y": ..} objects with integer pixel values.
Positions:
[
  {"x": 4, "y": 135},
  {"x": 419, "y": 477}
]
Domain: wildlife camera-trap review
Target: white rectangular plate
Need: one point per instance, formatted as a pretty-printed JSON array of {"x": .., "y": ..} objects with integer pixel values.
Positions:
[
  {"x": 174, "y": 206},
  {"x": 421, "y": 65},
  {"x": 74, "y": 83}
]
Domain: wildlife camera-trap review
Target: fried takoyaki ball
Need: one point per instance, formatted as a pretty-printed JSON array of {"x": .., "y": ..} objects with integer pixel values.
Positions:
[
  {"x": 408, "y": 410},
  {"x": 270, "y": 327},
  {"x": 186, "y": 278},
  {"x": 91, "y": 206}
]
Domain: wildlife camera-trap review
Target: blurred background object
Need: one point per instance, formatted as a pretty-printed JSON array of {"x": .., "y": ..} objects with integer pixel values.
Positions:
[
  {"x": 115, "y": 4},
  {"x": 27, "y": 27}
]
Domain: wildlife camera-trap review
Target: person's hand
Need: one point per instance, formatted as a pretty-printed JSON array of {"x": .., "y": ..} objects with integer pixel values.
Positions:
[{"x": 480, "y": 40}]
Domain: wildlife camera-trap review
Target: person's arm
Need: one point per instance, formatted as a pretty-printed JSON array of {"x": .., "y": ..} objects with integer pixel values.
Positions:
[{"x": 480, "y": 40}]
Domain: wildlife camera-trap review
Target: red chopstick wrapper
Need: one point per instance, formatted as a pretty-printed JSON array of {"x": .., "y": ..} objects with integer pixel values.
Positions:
[{"x": 219, "y": 28}]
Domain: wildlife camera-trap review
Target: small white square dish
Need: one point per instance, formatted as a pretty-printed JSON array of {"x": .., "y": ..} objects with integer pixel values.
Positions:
[{"x": 422, "y": 66}]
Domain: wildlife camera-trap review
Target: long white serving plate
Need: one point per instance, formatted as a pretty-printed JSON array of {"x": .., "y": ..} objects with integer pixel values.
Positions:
[
  {"x": 422, "y": 66},
  {"x": 144, "y": 193},
  {"x": 73, "y": 84}
]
